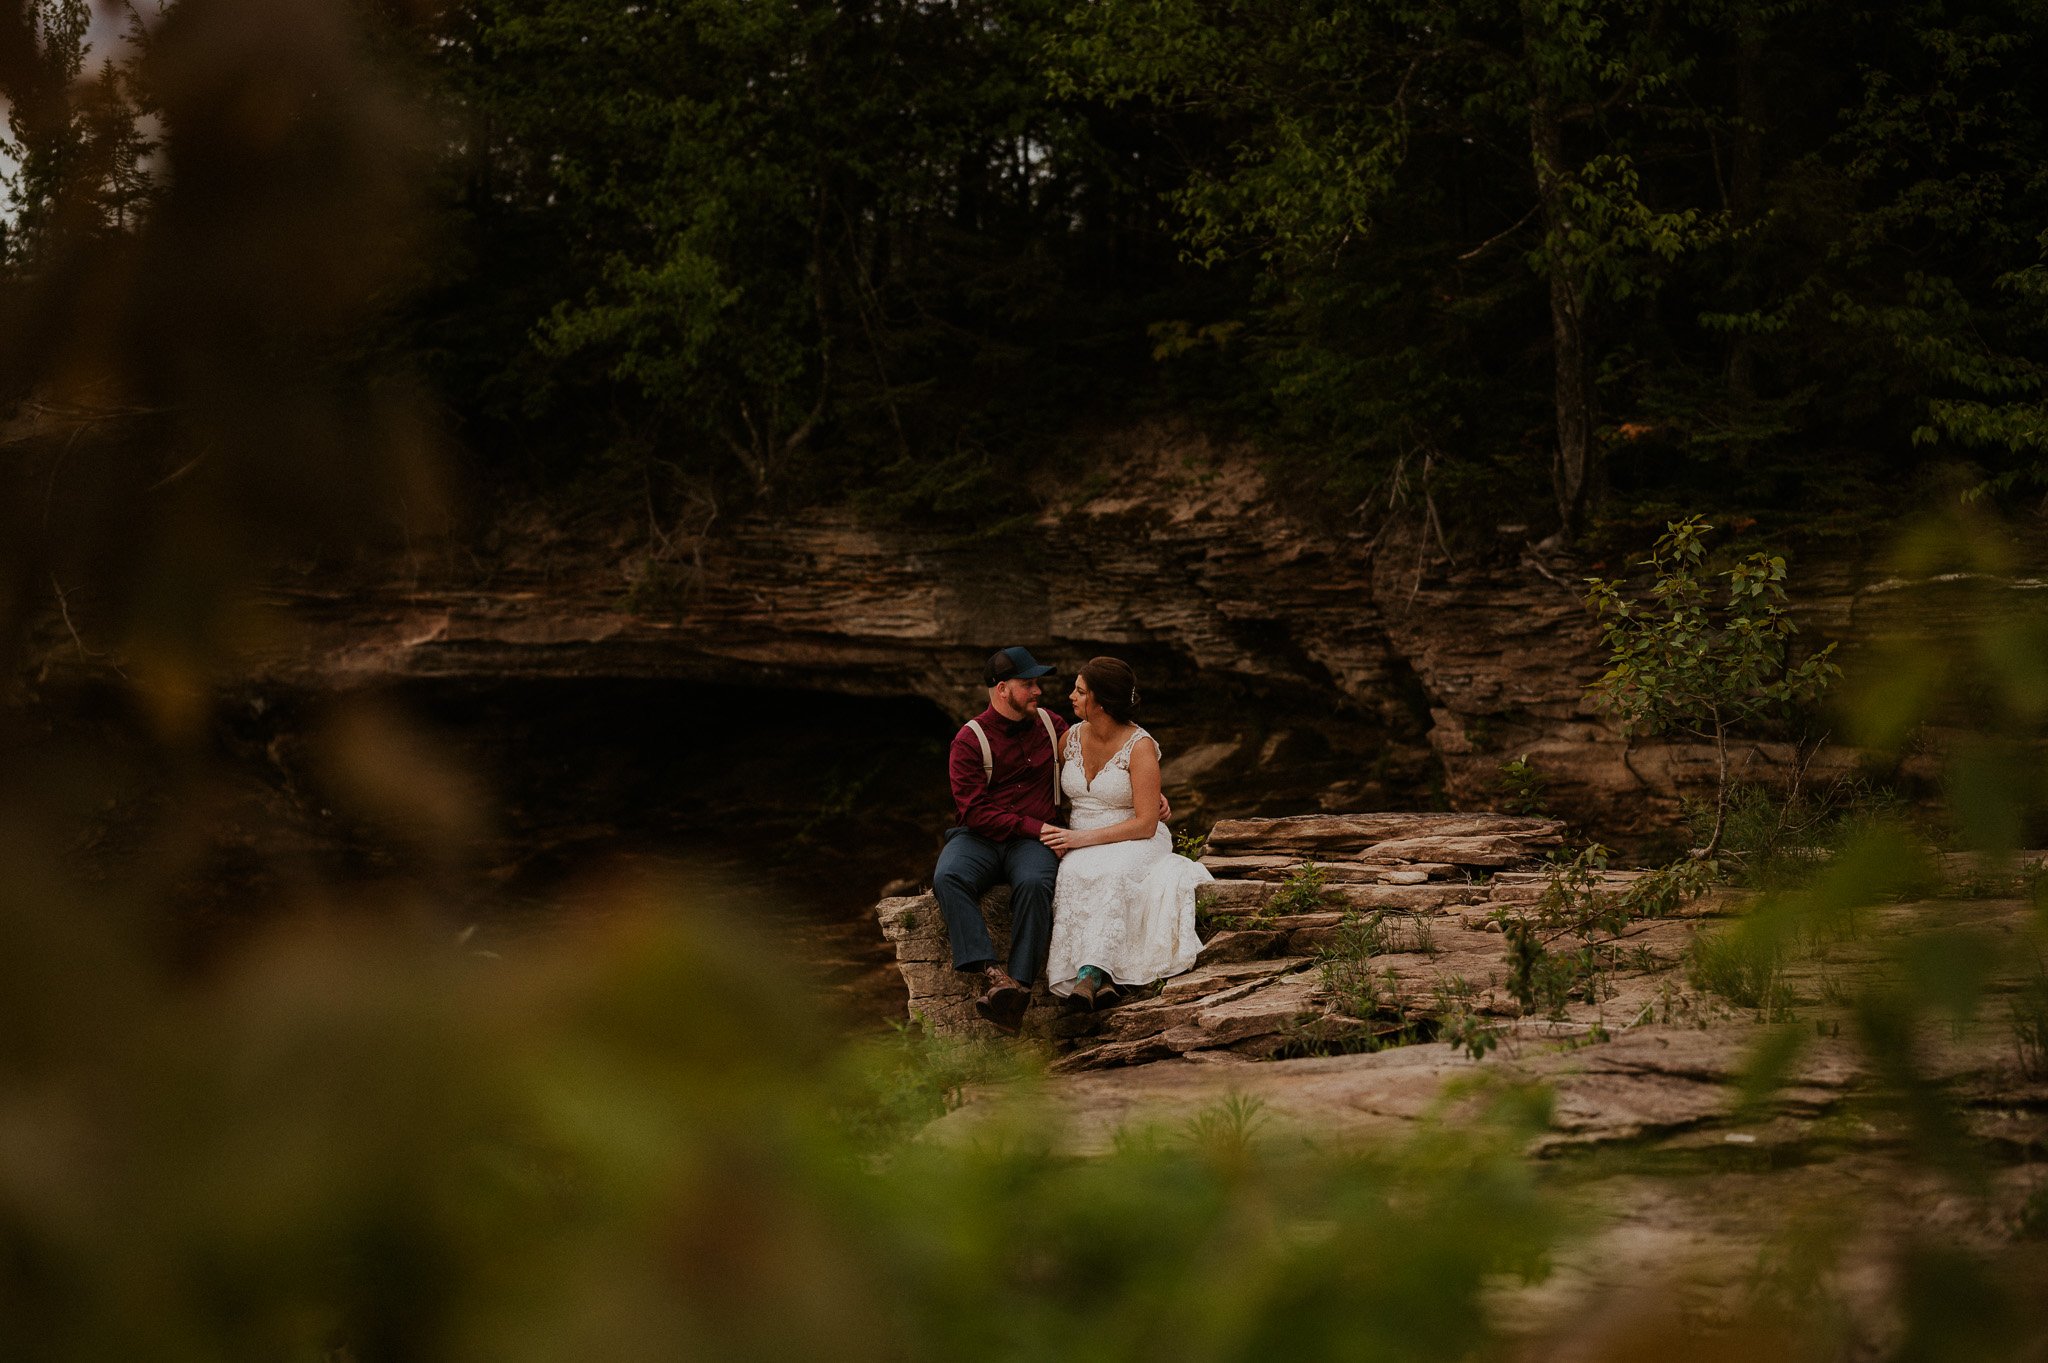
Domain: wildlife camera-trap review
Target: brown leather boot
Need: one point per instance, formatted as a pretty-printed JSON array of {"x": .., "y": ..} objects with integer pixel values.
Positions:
[{"x": 1005, "y": 1001}]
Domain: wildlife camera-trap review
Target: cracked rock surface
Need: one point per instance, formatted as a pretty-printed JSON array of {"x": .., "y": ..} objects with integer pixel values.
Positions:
[{"x": 1695, "y": 1202}]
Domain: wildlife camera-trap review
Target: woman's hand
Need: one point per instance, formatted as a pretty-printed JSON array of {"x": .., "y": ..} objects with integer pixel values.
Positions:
[{"x": 1060, "y": 840}]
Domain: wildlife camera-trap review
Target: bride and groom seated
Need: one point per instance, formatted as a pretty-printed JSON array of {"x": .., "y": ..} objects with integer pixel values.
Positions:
[{"x": 1102, "y": 899}]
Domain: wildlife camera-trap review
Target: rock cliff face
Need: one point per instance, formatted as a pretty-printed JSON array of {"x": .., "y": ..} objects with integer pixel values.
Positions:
[{"x": 1285, "y": 667}]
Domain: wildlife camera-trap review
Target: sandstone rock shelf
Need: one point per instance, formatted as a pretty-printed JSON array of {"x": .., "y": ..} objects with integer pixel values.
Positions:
[{"x": 1259, "y": 990}]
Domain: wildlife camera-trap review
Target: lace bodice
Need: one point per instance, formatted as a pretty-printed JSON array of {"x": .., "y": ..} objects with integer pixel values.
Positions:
[
  {"x": 1107, "y": 799},
  {"x": 1128, "y": 907}
]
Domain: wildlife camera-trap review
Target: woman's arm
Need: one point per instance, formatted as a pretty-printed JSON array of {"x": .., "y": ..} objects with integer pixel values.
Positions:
[{"x": 1144, "y": 821}]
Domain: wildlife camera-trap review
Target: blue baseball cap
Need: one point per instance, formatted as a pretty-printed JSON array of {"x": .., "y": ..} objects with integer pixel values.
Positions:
[{"x": 1013, "y": 664}]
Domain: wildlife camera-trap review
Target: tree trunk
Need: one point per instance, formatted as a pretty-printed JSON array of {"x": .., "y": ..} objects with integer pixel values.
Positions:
[
  {"x": 1571, "y": 470},
  {"x": 1720, "y": 790}
]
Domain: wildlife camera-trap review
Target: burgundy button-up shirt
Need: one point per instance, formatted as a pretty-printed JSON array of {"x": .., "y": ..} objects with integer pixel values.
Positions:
[{"x": 1016, "y": 801}]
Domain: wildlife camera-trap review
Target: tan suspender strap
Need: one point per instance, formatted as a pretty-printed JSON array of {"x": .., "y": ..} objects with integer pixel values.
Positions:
[
  {"x": 1052, "y": 736},
  {"x": 988, "y": 756}
]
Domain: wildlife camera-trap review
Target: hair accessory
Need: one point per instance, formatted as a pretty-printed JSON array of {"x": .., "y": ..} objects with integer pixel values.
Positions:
[{"x": 1134, "y": 695}]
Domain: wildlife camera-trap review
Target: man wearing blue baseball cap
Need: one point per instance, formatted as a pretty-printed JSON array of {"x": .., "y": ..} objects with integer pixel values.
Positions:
[{"x": 1005, "y": 771}]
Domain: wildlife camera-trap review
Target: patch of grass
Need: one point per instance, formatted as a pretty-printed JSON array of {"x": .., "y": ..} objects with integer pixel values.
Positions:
[
  {"x": 1380, "y": 933},
  {"x": 2030, "y": 1024},
  {"x": 1209, "y": 920},
  {"x": 1459, "y": 1022},
  {"x": 1562, "y": 949},
  {"x": 1227, "y": 1129},
  {"x": 1545, "y": 981},
  {"x": 1334, "y": 1034},
  {"x": 901, "y": 1082},
  {"x": 1577, "y": 902},
  {"x": 1359, "y": 937},
  {"x": 657, "y": 587},
  {"x": 1775, "y": 838},
  {"x": 1357, "y": 989},
  {"x": 1361, "y": 990},
  {"x": 1306, "y": 890},
  {"x": 1741, "y": 968}
]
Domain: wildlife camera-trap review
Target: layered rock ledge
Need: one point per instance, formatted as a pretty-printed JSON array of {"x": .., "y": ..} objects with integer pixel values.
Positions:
[
  {"x": 1422, "y": 896},
  {"x": 1648, "y": 1074},
  {"x": 1289, "y": 662}
]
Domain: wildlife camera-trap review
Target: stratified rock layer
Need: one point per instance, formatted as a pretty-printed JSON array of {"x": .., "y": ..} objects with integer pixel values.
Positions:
[
  {"x": 1258, "y": 990},
  {"x": 1285, "y": 663}
]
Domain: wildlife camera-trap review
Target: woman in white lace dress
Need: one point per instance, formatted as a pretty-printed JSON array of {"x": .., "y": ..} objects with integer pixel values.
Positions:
[{"x": 1124, "y": 907}]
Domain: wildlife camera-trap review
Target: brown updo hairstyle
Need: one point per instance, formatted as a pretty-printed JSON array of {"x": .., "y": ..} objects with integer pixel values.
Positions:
[{"x": 1114, "y": 686}]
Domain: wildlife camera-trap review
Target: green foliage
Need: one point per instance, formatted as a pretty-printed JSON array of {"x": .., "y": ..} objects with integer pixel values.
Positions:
[
  {"x": 1609, "y": 239},
  {"x": 1305, "y": 890},
  {"x": 74, "y": 155},
  {"x": 915, "y": 1075},
  {"x": 1358, "y": 987},
  {"x": 1581, "y": 913},
  {"x": 1743, "y": 967},
  {"x": 1361, "y": 936},
  {"x": 793, "y": 251},
  {"x": 2008, "y": 412},
  {"x": 1543, "y": 980},
  {"x": 1360, "y": 991},
  {"x": 342, "y": 1102},
  {"x": 1523, "y": 789},
  {"x": 1325, "y": 111},
  {"x": 1192, "y": 845},
  {"x": 1365, "y": 991},
  {"x": 1680, "y": 662},
  {"x": 908, "y": 255},
  {"x": 2029, "y": 1015},
  {"x": 1575, "y": 901},
  {"x": 1227, "y": 1130},
  {"x": 1309, "y": 172},
  {"x": 1460, "y": 1025},
  {"x": 1774, "y": 837}
]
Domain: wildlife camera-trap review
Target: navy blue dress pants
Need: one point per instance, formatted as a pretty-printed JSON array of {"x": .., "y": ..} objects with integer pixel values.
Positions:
[{"x": 968, "y": 867}]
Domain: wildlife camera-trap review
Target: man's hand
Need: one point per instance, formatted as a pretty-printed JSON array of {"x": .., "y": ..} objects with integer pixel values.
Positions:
[{"x": 1060, "y": 840}]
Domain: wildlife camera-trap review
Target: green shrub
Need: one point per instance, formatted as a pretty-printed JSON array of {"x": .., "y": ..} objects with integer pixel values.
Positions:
[
  {"x": 1679, "y": 662},
  {"x": 914, "y": 1075},
  {"x": 1349, "y": 977},
  {"x": 1459, "y": 1022},
  {"x": 2029, "y": 1015},
  {"x": 1580, "y": 911},
  {"x": 1775, "y": 838},
  {"x": 1545, "y": 981},
  {"x": 1522, "y": 788},
  {"x": 1304, "y": 891},
  {"x": 1743, "y": 968}
]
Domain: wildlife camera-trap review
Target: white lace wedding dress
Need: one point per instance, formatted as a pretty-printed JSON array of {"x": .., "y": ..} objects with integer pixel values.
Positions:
[{"x": 1124, "y": 907}]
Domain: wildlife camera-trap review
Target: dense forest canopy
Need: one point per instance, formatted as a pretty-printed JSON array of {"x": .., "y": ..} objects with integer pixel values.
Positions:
[{"x": 1611, "y": 258}]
